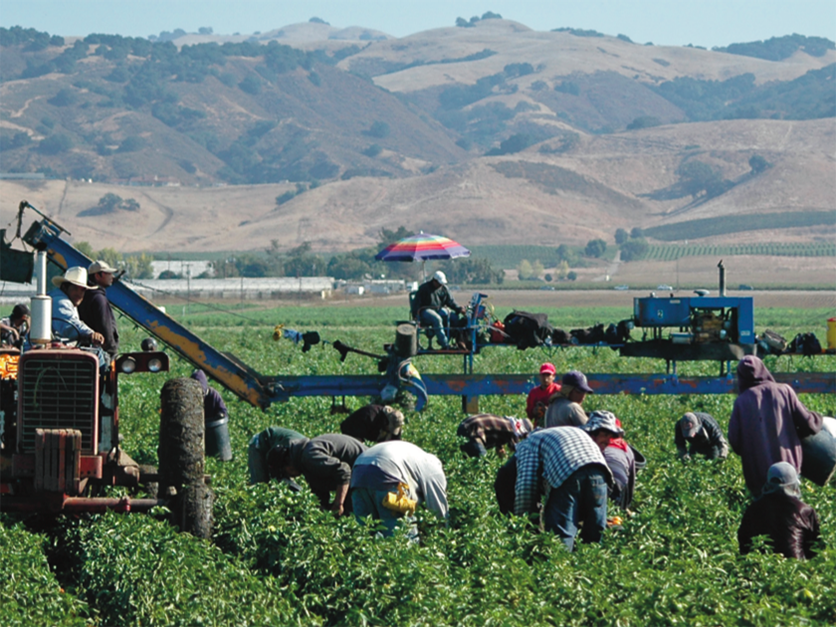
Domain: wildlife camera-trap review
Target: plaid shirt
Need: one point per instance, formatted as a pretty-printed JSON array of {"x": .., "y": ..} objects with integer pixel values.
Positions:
[
  {"x": 552, "y": 454},
  {"x": 489, "y": 429}
]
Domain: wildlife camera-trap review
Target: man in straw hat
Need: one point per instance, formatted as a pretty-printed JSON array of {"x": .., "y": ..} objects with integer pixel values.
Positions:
[
  {"x": 95, "y": 310},
  {"x": 66, "y": 324}
]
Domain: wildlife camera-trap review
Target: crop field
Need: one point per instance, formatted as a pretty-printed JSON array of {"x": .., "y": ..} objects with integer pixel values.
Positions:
[
  {"x": 276, "y": 559},
  {"x": 666, "y": 252}
]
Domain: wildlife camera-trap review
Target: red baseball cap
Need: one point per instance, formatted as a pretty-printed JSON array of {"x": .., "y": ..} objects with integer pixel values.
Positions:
[{"x": 547, "y": 368}]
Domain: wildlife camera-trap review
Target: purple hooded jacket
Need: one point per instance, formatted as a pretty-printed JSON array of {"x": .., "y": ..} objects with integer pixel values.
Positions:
[
  {"x": 767, "y": 423},
  {"x": 213, "y": 405}
]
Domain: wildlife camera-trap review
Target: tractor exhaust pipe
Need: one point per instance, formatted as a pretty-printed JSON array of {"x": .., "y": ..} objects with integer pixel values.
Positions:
[
  {"x": 722, "y": 278},
  {"x": 41, "y": 307}
]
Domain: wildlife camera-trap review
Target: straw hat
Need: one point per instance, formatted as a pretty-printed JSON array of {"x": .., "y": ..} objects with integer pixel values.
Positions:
[{"x": 75, "y": 275}]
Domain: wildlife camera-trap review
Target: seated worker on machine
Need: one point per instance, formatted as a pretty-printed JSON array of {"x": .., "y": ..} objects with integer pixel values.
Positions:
[
  {"x": 13, "y": 328},
  {"x": 66, "y": 324},
  {"x": 431, "y": 307}
]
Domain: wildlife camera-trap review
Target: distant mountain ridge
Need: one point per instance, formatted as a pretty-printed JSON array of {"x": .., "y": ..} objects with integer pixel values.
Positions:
[{"x": 355, "y": 129}]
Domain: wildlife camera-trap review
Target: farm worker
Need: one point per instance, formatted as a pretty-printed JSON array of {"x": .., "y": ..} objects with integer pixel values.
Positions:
[
  {"x": 767, "y": 423},
  {"x": 377, "y": 423},
  {"x": 571, "y": 462},
  {"x": 432, "y": 304},
  {"x": 13, "y": 328},
  {"x": 95, "y": 309},
  {"x": 214, "y": 407},
  {"x": 389, "y": 469},
  {"x": 325, "y": 461},
  {"x": 538, "y": 397},
  {"x": 484, "y": 431},
  {"x": 260, "y": 446},
  {"x": 792, "y": 525},
  {"x": 702, "y": 435},
  {"x": 66, "y": 324},
  {"x": 504, "y": 485},
  {"x": 619, "y": 456},
  {"x": 565, "y": 409}
]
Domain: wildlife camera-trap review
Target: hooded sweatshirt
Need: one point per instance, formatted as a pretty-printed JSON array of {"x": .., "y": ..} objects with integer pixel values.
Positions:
[
  {"x": 767, "y": 423},
  {"x": 213, "y": 405}
]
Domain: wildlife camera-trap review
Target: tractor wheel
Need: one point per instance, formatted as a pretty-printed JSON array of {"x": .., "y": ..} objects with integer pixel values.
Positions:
[
  {"x": 181, "y": 456},
  {"x": 194, "y": 510}
]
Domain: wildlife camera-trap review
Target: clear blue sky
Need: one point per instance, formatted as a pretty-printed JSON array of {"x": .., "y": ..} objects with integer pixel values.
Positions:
[{"x": 664, "y": 22}]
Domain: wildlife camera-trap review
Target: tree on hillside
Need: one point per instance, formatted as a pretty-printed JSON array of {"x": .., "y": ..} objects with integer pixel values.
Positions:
[
  {"x": 524, "y": 270},
  {"x": 643, "y": 121},
  {"x": 379, "y": 129},
  {"x": 55, "y": 144},
  {"x": 634, "y": 249},
  {"x": 636, "y": 232},
  {"x": 387, "y": 236},
  {"x": 697, "y": 178},
  {"x": 595, "y": 248},
  {"x": 758, "y": 164},
  {"x": 621, "y": 236}
]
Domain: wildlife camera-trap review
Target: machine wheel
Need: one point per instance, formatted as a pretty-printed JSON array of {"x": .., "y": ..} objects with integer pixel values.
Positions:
[
  {"x": 182, "y": 458},
  {"x": 194, "y": 510}
]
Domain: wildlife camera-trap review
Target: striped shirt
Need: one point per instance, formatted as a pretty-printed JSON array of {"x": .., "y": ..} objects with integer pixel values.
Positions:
[{"x": 553, "y": 455}]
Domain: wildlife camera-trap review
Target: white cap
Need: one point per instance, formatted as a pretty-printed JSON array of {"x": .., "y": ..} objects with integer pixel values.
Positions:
[{"x": 440, "y": 277}]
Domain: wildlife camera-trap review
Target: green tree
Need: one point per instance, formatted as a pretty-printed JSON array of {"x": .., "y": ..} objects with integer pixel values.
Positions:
[
  {"x": 251, "y": 84},
  {"x": 621, "y": 236},
  {"x": 301, "y": 261},
  {"x": 595, "y": 248},
  {"x": 697, "y": 178},
  {"x": 758, "y": 164},
  {"x": 572, "y": 276},
  {"x": 55, "y": 144},
  {"x": 524, "y": 270},
  {"x": 634, "y": 249},
  {"x": 636, "y": 232},
  {"x": 387, "y": 236},
  {"x": 562, "y": 269},
  {"x": 472, "y": 270},
  {"x": 379, "y": 129},
  {"x": 643, "y": 121},
  {"x": 536, "y": 269},
  {"x": 563, "y": 253}
]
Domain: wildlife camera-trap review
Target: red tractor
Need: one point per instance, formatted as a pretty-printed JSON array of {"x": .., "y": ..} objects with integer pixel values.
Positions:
[{"x": 59, "y": 427}]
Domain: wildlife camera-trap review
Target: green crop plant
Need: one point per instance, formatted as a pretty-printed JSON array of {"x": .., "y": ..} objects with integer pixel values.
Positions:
[{"x": 276, "y": 558}]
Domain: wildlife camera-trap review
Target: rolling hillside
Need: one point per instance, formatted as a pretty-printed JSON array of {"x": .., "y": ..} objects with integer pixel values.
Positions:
[{"x": 495, "y": 133}]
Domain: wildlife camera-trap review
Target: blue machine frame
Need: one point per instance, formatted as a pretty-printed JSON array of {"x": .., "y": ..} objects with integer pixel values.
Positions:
[{"x": 261, "y": 390}]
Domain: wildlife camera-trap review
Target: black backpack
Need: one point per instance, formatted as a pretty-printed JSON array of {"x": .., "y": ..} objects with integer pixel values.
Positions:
[
  {"x": 806, "y": 344},
  {"x": 528, "y": 330}
]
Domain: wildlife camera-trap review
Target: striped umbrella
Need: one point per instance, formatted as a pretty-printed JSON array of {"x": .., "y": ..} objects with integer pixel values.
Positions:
[{"x": 422, "y": 247}]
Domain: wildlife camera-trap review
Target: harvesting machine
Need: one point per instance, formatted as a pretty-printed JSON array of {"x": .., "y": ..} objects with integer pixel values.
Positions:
[{"x": 703, "y": 327}]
